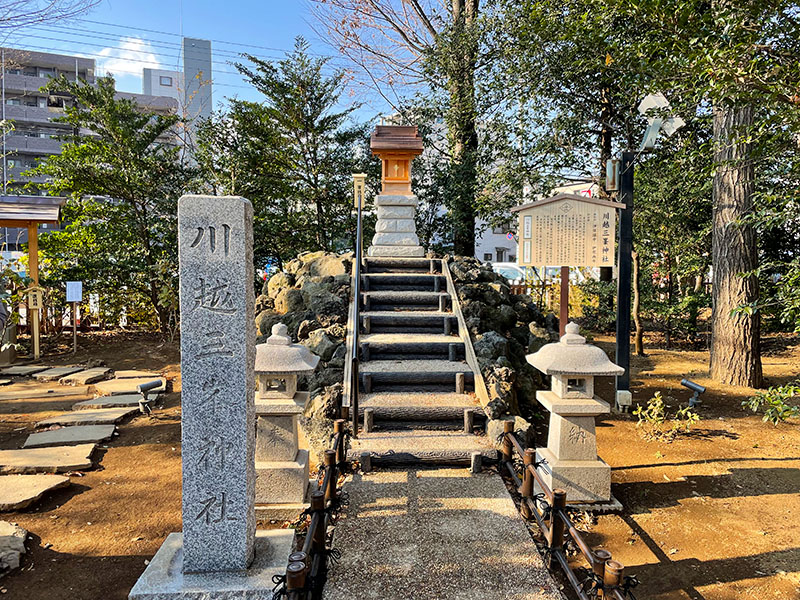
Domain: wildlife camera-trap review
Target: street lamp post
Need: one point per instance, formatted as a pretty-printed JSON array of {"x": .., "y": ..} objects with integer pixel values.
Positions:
[{"x": 656, "y": 123}]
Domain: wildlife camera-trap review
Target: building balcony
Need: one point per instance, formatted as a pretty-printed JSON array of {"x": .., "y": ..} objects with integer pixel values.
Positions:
[
  {"x": 32, "y": 145},
  {"x": 32, "y": 114}
]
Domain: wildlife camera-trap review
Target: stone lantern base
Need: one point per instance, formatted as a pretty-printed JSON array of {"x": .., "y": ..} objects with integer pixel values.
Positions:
[
  {"x": 281, "y": 468},
  {"x": 571, "y": 457}
]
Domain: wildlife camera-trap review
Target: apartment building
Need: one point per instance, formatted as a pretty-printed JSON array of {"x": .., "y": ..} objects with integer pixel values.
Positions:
[{"x": 31, "y": 113}]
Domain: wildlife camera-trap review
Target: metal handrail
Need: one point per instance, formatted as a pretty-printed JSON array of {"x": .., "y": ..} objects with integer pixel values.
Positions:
[
  {"x": 608, "y": 573},
  {"x": 354, "y": 376}
]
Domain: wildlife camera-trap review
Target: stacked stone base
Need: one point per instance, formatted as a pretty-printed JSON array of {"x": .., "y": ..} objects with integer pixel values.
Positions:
[
  {"x": 395, "y": 230},
  {"x": 164, "y": 578}
]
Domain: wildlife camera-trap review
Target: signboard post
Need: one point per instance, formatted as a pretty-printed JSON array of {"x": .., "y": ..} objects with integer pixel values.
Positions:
[
  {"x": 74, "y": 297},
  {"x": 567, "y": 230},
  {"x": 35, "y": 301}
]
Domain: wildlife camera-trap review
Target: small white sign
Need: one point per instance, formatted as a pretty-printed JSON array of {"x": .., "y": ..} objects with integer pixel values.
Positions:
[{"x": 74, "y": 291}]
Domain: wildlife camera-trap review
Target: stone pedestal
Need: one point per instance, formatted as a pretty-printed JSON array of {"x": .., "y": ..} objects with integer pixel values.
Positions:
[
  {"x": 395, "y": 230},
  {"x": 571, "y": 453},
  {"x": 164, "y": 578},
  {"x": 281, "y": 467}
]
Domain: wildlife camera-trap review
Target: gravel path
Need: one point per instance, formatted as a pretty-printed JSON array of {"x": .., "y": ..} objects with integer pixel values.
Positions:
[{"x": 434, "y": 534}]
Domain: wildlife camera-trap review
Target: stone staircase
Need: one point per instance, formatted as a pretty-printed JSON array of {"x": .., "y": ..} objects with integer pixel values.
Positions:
[{"x": 415, "y": 385}]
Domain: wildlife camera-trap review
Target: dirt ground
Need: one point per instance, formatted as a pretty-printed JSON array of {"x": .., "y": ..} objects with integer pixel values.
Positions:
[
  {"x": 713, "y": 515},
  {"x": 716, "y": 513},
  {"x": 92, "y": 540}
]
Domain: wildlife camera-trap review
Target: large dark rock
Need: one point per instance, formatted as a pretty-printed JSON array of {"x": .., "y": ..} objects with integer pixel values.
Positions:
[{"x": 491, "y": 345}]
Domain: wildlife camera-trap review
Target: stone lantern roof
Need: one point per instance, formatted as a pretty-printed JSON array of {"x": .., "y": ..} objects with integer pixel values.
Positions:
[
  {"x": 573, "y": 356},
  {"x": 280, "y": 355}
]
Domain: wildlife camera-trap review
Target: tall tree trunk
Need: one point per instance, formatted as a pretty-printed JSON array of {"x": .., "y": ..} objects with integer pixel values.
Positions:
[
  {"x": 638, "y": 342},
  {"x": 462, "y": 125},
  {"x": 735, "y": 350}
]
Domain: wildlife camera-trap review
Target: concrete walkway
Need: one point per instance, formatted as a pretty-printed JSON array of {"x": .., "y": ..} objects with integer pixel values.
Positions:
[{"x": 434, "y": 534}]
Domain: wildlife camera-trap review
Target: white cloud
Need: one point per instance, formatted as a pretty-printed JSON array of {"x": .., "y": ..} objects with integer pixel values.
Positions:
[{"x": 128, "y": 58}]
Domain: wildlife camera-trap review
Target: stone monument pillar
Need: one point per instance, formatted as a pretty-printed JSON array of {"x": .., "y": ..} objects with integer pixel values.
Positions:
[
  {"x": 281, "y": 467},
  {"x": 571, "y": 457},
  {"x": 218, "y": 554},
  {"x": 395, "y": 230}
]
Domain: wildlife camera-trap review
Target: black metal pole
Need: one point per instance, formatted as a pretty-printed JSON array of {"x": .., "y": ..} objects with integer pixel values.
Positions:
[{"x": 624, "y": 250}]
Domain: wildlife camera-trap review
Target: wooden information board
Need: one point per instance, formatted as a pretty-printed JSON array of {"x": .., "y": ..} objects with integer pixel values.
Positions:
[{"x": 567, "y": 229}]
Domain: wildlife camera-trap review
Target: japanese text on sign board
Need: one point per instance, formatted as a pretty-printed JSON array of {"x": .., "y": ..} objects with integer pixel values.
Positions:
[{"x": 568, "y": 233}]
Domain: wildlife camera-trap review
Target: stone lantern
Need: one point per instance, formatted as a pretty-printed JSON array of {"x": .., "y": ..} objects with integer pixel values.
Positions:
[
  {"x": 281, "y": 467},
  {"x": 571, "y": 457}
]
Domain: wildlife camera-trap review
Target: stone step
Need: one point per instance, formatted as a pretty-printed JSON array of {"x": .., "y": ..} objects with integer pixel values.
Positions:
[
  {"x": 402, "y": 265},
  {"x": 402, "y": 381},
  {"x": 407, "y": 346},
  {"x": 420, "y": 446},
  {"x": 409, "y": 375},
  {"x": 411, "y": 321},
  {"x": 418, "y": 406},
  {"x": 405, "y": 300},
  {"x": 425, "y": 282}
]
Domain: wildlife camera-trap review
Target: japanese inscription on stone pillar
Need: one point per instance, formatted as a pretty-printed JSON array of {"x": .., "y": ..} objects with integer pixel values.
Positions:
[{"x": 217, "y": 391}]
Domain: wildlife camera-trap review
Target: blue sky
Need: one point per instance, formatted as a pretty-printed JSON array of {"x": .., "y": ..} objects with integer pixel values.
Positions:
[{"x": 113, "y": 34}]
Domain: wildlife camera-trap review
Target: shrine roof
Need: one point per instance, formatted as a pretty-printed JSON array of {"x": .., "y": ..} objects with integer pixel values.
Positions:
[
  {"x": 18, "y": 211},
  {"x": 565, "y": 196},
  {"x": 402, "y": 138}
]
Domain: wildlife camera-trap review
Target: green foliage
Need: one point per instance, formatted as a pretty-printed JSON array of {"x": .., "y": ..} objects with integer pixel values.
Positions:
[
  {"x": 291, "y": 155},
  {"x": 598, "y": 313},
  {"x": 773, "y": 403},
  {"x": 656, "y": 423},
  {"x": 122, "y": 185}
]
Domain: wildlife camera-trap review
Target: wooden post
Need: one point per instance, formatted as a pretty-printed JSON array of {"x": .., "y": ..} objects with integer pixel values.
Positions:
[
  {"x": 557, "y": 526},
  {"x": 74, "y": 327},
  {"x": 507, "y": 449},
  {"x": 329, "y": 460},
  {"x": 564, "y": 310},
  {"x": 33, "y": 267},
  {"x": 527, "y": 482}
]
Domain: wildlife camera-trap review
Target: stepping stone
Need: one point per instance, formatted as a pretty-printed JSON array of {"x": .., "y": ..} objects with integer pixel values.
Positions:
[
  {"x": 20, "y": 491},
  {"x": 56, "y": 373},
  {"x": 127, "y": 400},
  {"x": 85, "y": 377},
  {"x": 22, "y": 371},
  {"x": 89, "y": 417},
  {"x": 12, "y": 546},
  {"x": 130, "y": 374},
  {"x": 118, "y": 387},
  {"x": 45, "y": 392},
  {"x": 68, "y": 436},
  {"x": 47, "y": 460}
]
